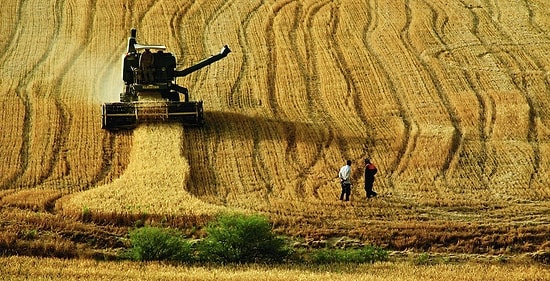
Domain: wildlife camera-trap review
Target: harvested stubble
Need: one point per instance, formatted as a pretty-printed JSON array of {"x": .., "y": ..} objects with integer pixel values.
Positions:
[
  {"x": 38, "y": 200},
  {"x": 58, "y": 269},
  {"x": 450, "y": 99}
]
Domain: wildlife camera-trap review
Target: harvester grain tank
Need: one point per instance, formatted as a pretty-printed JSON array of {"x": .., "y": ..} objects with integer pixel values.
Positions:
[{"x": 150, "y": 91}]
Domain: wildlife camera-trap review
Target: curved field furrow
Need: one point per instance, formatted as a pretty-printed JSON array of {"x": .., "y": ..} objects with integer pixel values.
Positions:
[
  {"x": 88, "y": 62},
  {"x": 539, "y": 20},
  {"x": 11, "y": 143},
  {"x": 110, "y": 159},
  {"x": 491, "y": 115},
  {"x": 59, "y": 167},
  {"x": 257, "y": 130},
  {"x": 11, "y": 24},
  {"x": 347, "y": 71},
  {"x": 248, "y": 97},
  {"x": 233, "y": 18},
  {"x": 486, "y": 100},
  {"x": 194, "y": 29},
  {"x": 175, "y": 26},
  {"x": 534, "y": 74},
  {"x": 272, "y": 60},
  {"x": 293, "y": 77},
  {"x": 314, "y": 61},
  {"x": 432, "y": 120},
  {"x": 532, "y": 18},
  {"x": 36, "y": 146},
  {"x": 240, "y": 175},
  {"x": 476, "y": 121},
  {"x": 200, "y": 183},
  {"x": 486, "y": 31},
  {"x": 245, "y": 174},
  {"x": 514, "y": 64},
  {"x": 328, "y": 98},
  {"x": 113, "y": 162},
  {"x": 249, "y": 94},
  {"x": 259, "y": 161},
  {"x": 312, "y": 67},
  {"x": 334, "y": 94},
  {"x": 469, "y": 108},
  {"x": 290, "y": 128},
  {"x": 382, "y": 88},
  {"x": 379, "y": 43},
  {"x": 439, "y": 87}
]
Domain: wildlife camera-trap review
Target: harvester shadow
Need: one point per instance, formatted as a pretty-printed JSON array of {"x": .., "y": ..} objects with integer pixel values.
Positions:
[
  {"x": 204, "y": 146},
  {"x": 235, "y": 125}
]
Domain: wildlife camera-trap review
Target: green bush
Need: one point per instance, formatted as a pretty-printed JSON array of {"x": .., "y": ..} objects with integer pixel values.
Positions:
[
  {"x": 368, "y": 254},
  {"x": 236, "y": 238},
  {"x": 153, "y": 243},
  {"x": 423, "y": 259}
]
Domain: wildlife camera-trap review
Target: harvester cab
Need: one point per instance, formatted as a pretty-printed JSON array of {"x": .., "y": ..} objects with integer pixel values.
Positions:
[{"x": 150, "y": 92}]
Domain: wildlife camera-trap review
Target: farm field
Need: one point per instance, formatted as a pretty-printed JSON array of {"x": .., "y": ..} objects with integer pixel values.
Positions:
[
  {"x": 450, "y": 100},
  {"x": 21, "y": 268}
]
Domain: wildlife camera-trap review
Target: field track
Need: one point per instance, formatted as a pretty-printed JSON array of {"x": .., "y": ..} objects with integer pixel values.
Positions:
[{"x": 450, "y": 99}]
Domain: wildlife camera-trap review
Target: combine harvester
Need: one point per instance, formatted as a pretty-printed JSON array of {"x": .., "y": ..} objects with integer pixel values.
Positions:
[{"x": 150, "y": 92}]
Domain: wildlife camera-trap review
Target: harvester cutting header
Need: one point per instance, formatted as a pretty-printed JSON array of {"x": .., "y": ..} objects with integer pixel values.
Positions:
[{"x": 150, "y": 91}]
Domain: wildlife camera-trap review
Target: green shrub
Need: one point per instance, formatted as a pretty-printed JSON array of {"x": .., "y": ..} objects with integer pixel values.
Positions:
[
  {"x": 235, "y": 238},
  {"x": 423, "y": 259},
  {"x": 153, "y": 243},
  {"x": 368, "y": 254},
  {"x": 86, "y": 214}
]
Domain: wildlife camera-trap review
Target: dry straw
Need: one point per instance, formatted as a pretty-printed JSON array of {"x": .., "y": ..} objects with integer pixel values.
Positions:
[
  {"x": 153, "y": 183},
  {"x": 62, "y": 269}
]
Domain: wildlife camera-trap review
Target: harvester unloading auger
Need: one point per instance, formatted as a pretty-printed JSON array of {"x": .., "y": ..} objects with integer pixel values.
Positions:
[{"x": 150, "y": 92}]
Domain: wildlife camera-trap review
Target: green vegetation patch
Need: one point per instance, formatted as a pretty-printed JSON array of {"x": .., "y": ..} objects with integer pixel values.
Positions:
[{"x": 237, "y": 238}]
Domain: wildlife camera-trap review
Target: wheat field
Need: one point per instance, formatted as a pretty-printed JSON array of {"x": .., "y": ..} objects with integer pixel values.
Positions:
[
  {"x": 54, "y": 269},
  {"x": 450, "y": 100}
]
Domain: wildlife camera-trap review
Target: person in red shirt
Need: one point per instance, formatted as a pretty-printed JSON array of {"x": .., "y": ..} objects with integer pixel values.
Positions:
[{"x": 370, "y": 171}]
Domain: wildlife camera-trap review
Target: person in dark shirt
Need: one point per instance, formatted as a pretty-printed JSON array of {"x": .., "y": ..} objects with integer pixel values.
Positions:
[
  {"x": 146, "y": 61},
  {"x": 370, "y": 171}
]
